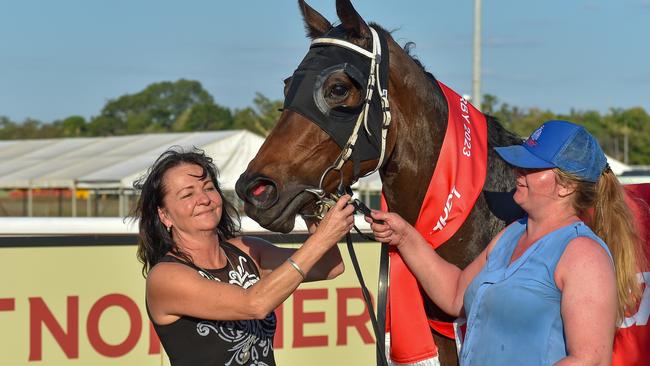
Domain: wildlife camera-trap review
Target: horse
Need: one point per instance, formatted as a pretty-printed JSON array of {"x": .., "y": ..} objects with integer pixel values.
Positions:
[{"x": 296, "y": 159}]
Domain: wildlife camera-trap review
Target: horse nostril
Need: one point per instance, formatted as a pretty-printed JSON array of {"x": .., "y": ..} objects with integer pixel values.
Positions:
[
  {"x": 262, "y": 193},
  {"x": 259, "y": 189}
]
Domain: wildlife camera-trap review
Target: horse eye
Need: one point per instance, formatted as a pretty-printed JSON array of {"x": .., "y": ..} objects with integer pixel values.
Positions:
[{"x": 338, "y": 91}]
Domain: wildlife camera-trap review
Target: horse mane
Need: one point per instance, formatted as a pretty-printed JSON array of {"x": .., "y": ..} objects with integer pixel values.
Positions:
[{"x": 497, "y": 134}]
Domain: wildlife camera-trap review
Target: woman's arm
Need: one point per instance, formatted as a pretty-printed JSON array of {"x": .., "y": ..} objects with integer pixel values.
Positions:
[
  {"x": 174, "y": 290},
  {"x": 443, "y": 282},
  {"x": 269, "y": 257},
  {"x": 585, "y": 275}
]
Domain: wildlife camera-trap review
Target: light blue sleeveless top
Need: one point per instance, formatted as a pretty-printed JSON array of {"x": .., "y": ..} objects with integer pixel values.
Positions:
[{"x": 513, "y": 310}]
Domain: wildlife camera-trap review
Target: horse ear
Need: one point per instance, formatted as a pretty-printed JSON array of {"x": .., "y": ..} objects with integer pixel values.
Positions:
[
  {"x": 315, "y": 24},
  {"x": 351, "y": 20}
]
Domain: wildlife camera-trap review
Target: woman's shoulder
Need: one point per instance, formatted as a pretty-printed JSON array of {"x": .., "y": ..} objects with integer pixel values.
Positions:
[
  {"x": 583, "y": 257},
  {"x": 585, "y": 248},
  {"x": 252, "y": 246},
  {"x": 169, "y": 271},
  {"x": 248, "y": 243}
]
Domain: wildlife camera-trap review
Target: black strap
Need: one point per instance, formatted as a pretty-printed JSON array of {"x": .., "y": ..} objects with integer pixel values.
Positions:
[
  {"x": 382, "y": 294},
  {"x": 382, "y": 291},
  {"x": 379, "y": 329},
  {"x": 379, "y": 332}
]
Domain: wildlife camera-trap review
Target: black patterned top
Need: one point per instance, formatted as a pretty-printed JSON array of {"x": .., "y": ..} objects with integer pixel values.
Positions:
[{"x": 197, "y": 342}]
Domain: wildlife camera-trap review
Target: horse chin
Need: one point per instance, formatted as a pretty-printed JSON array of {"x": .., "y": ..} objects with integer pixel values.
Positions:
[{"x": 281, "y": 216}]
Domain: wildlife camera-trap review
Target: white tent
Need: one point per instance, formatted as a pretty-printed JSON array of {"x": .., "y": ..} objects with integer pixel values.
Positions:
[
  {"x": 114, "y": 163},
  {"x": 617, "y": 167}
]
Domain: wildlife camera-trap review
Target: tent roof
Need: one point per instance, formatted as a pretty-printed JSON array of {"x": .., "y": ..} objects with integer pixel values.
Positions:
[{"x": 115, "y": 162}]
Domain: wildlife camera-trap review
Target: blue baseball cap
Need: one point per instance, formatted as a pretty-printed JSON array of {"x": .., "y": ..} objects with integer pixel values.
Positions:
[{"x": 559, "y": 144}]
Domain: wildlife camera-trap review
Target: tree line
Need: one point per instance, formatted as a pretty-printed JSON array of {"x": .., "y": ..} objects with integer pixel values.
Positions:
[{"x": 184, "y": 105}]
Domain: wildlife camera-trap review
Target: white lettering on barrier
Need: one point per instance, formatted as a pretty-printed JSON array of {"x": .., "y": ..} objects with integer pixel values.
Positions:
[
  {"x": 442, "y": 220},
  {"x": 641, "y": 316}
]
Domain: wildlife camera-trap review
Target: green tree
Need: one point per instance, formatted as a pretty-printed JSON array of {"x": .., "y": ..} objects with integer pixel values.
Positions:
[
  {"x": 204, "y": 117},
  {"x": 7, "y": 128},
  {"x": 73, "y": 126},
  {"x": 154, "y": 109},
  {"x": 261, "y": 118}
]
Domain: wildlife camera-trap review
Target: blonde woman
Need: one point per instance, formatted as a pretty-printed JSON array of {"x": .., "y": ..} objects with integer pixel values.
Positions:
[{"x": 548, "y": 289}]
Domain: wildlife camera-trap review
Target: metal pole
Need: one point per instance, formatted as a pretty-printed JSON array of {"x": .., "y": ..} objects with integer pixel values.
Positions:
[
  {"x": 30, "y": 202},
  {"x": 60, "y": 194},
  {"x": 476, "y": 76},
  {"x": 74, "y": 200},
  {"x": 120, "y": 202},
  {"x": 88, "y": 205}
]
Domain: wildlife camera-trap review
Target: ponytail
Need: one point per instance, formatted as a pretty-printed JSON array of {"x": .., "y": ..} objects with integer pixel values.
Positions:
[
  {"x": 614, "y": 223},
  {"x": 612, "y": 220}
]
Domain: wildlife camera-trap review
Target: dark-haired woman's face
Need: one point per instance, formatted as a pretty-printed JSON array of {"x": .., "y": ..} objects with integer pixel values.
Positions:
[{"x": 191, "y": 205}]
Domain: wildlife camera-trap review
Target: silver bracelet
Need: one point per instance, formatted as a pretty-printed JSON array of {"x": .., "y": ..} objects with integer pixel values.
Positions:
[{"x": 295, "y": 265}]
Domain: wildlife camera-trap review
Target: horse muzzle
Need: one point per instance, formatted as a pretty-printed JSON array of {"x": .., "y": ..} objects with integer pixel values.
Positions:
[{"x": 273, "y": 208}]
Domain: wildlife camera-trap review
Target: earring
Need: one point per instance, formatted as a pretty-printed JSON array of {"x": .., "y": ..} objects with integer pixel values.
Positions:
[{"x": 169, "y": 229}]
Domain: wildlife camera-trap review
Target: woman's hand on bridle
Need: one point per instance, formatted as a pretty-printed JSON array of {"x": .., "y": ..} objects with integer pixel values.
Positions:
[
  {"x": 338, "y": 221},
  {"x": 389, "y": 227}
]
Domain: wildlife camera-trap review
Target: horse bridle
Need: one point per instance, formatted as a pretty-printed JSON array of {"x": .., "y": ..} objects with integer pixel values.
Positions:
[{"x": 326, "y": 200}]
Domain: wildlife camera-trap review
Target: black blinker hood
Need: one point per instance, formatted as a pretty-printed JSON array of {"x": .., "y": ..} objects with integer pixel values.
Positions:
[{"x": 305, "y": 94}]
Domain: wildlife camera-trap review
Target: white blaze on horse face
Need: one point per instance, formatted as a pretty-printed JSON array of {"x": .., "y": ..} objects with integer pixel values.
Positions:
[
  {"x": 642, "y": 315},
  {"x": 442, "y": 221}
]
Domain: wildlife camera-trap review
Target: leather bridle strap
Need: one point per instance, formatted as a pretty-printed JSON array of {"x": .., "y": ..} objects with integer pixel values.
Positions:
[{"x": 381, "y": 351}]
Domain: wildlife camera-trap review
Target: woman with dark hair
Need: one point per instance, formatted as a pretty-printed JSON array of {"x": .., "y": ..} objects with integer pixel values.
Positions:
[
  {"x": 549, "y": 289},
  {"x": 211, "y": 293}
]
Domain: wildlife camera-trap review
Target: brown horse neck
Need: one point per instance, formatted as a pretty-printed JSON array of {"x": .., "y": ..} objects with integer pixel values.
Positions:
[{"x": 417, "y": 130}]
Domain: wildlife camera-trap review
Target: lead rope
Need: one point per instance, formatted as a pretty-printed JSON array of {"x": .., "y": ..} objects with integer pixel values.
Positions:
[
  {"x": 381, "y": 352},
  {"x": 377, "y": 326}
]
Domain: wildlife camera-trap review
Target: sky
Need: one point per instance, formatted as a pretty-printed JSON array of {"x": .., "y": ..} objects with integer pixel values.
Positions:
[{"x": 69, "y": 57}]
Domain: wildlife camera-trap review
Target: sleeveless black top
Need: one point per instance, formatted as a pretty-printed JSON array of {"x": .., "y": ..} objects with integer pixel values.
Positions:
[{"x": 197, "y": 342}]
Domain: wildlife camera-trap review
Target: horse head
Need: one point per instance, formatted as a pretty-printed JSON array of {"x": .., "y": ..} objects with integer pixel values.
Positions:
[
  {"x": 329, "y": 98},
  {"x": 358, "y": 102}
]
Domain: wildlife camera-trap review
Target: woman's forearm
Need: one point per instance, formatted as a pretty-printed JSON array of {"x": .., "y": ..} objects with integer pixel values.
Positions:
[
  {"x": 267, "y": 294},
  {"x": 328, "y": 267},
  {"x": 438, "y": 278}
]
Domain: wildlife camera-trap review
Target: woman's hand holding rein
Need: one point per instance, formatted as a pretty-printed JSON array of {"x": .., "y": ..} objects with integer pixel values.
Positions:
[{"x": 389, "y": 228}]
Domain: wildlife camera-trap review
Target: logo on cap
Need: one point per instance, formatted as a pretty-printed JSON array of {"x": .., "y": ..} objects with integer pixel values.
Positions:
[{"x": 532, "y": 140}]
